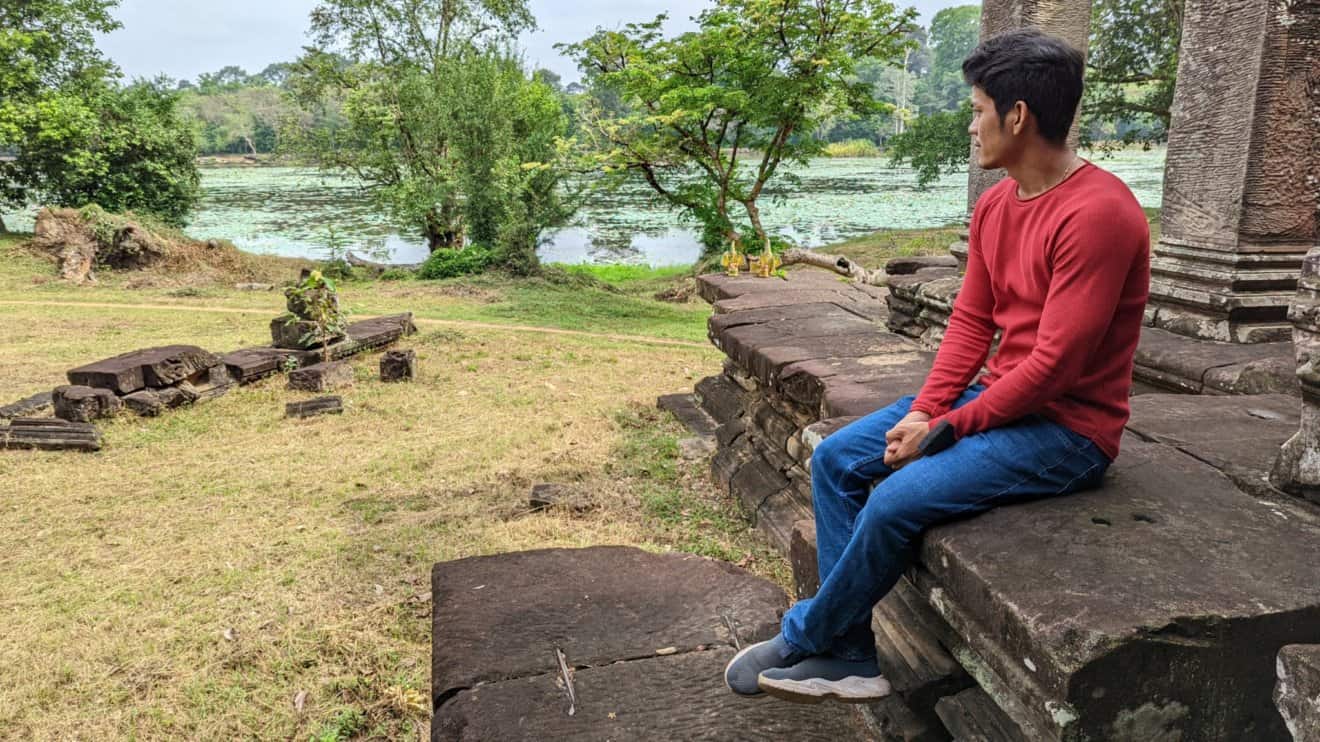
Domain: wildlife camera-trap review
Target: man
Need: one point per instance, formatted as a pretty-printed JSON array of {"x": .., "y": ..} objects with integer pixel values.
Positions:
[{"x": 1059, "y": 264}]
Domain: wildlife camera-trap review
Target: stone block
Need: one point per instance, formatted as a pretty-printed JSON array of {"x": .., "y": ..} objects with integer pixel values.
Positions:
[
  {"x": 45, "y": 434},
  {"x": 684, "y": 407},
  {"x": 398, "y": 365},
  {"x": 722, "y": 399},
  {"x": 1161, "y": 598},
  {"x": 251, "y": 364},
  {"x": 322, "y": 377},
  {"x": 912, "y": 264},
  {"x": 1188, "y": 365},
  {"x": 315, "y": 407},
  {"x": 557, "y": 496},
  {"x": 208, "y": 384},
  {"x": 1297, "y": 691},
  {"x": 144, "y": 403},
  {"x": 150, "y": 367},
  {"x": 83, "y": 404},
  {"x": 802, "y": 557},
  {"x": 27, "y": 406},
  {"x": 971, "y": 716},
  {"x": 299, "y": 334}
]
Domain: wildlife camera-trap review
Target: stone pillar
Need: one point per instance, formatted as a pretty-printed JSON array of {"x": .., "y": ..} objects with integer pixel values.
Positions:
[
  {"x": 1297, "y": 470},
  {"x": 1070, "y": 20},
  {"x": 1241, "y": 179}
]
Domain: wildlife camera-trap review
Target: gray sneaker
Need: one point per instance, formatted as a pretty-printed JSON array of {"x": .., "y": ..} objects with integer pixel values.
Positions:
[
  {"x": 815, "y": 679},
  {"x": 742, "y": 671}
]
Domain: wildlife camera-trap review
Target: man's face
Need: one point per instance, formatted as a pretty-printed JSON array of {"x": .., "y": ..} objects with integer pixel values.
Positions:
[{"x": 993, "y": 141}]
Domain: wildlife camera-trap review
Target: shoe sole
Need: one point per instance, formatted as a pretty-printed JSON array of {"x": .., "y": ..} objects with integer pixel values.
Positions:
[
  {"x": 737, "y": 657},
  {"x": 852, "y": 689}
]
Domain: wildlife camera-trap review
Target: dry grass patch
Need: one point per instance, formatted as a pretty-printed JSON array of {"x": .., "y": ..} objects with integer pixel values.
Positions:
[{"x": 214, "y": 566}]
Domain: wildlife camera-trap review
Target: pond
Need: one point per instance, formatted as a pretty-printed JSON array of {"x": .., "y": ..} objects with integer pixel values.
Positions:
[{"x": 299, "y": 212}]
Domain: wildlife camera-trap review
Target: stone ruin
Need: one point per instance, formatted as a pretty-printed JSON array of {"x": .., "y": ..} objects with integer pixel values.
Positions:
[
  {"x": 152, "y": 380},
  {"x": 1181, "y": 601}
]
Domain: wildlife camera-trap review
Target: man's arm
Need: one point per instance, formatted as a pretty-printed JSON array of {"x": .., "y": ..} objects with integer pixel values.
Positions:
[
  {"x": 1089, "y": 270},
  {"x": 966, "y": 341}
]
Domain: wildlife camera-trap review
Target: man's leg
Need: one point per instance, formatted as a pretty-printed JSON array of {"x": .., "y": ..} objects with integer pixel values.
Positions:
[
  {"x": 837, "y": 499},
  {"x": 1031, "y": 459}
]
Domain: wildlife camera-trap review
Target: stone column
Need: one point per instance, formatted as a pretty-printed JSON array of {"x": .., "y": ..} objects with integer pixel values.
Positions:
[
  {"x": 1070, "y": 20},
  {"x": 1242, "y": 176},
  {"x": 1297, "y": 470}
]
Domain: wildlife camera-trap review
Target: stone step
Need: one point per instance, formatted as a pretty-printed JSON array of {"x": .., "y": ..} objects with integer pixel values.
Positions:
[
  {"x": 314, "y": 407},
  {"x": 1193, "y": 366},
  {"x": 684, "y": 407},
  {"x": 605, "y": 643},
  {"x": 721, "y": 398}
]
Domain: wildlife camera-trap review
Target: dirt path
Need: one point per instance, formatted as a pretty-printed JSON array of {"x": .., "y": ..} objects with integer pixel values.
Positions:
[{"x": 422, "y": 321}]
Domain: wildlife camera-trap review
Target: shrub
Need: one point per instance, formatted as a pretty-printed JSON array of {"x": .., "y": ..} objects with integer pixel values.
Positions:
[
  {"x": 446, "y": 263},
  {"x": 852, "y": 148}
]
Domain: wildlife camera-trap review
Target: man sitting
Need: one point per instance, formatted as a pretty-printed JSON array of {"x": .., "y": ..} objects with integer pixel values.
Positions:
[{"x": 1059, "y": 264}]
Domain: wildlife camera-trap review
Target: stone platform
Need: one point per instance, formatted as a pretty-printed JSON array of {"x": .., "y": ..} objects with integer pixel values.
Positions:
[
  {"x": 605, "y": 643},
  {"x": 1150, "y": 609}
]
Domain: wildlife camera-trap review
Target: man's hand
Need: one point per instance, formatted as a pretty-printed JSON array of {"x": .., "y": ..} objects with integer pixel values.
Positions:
[{"x": 905, "y": 437}]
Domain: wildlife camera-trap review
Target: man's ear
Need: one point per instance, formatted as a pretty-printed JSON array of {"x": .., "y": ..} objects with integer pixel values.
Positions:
[{"x": 1017, "y": 117}]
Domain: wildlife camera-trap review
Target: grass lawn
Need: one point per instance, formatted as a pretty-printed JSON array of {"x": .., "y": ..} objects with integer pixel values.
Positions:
[{"x": 221, "y": 572}]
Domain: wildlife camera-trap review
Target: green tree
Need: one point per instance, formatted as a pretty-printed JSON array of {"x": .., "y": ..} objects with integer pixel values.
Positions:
[
  {"x": 708, "y": 117},
  {"x": 934, "y": 144},
  {"x": 77, "y": 136},
  {"x": 444, "y": 127},
  {"x": 954, "y": 33},
  {"x": 1131, "y": 68}
]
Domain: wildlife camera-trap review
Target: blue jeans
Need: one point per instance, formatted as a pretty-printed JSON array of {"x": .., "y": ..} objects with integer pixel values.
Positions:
[{"x": 867, "y": 537}]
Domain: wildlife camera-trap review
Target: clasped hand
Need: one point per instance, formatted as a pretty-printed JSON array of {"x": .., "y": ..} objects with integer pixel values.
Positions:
[{"x": 905, "y": 438}]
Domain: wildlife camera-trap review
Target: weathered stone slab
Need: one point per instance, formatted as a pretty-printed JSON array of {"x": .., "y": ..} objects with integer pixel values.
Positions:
[
  {"x": 251, "y": 364},
  {"x": 314, "y": 407},
  {"x": 717, "y": 324},
  {"x": 375, "y": 333},
  {"x": 502, "y": 617},
  {"x": 684, "y": 407},
  {"x": 45, "y": 434},
  {"x": 81, "y": 404},
  {"x": 766, "y": 362},
  {"x": 1184, "y": 364},
  {"x": 720, "y": 398},
  {"x": 398, "y": 365},
  {"x": 547, "y": 496},
  {"x": 808, "y": 382},
  {"x": 1153, "y": 601},
  {"x": 971, "y": 716},
  {"x": 154, "y": 367},
  {"x": 852, "y": 302},
  {"x": 679, "y": 697},
  {"x": 1297, "y": 693},
  {"x": 716, "y": 286},
  {"x": 297, "y": 334},
  {"x": 802, "y": 558},
  {"x": 1239, "y": 435},
  {"x": 912, "y": 264},
  {"x": 208, "y": 384},
  {"x": 27, "y": 406},
  {"x": 321, "y": 377},
  {"x": 144, "y": 403}
]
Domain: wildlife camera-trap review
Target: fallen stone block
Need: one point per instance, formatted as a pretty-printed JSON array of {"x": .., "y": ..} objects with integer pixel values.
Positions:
[
  {"x": 45, "y": 434},
  {"x": 82, "y": 404},
  {"x": 1297, "y": 692},
  {"x": 322, "y": 377},
  {"x": 549, "y": 496},
  {"x": 971, "y": 716},
  {"x": 313, "y": 407},
  {"x": 153, "y": 367},
  {"x": 179, "y": 396},
  {"x": 209, "y": 384},
  {"x": 684, "y": 407},
  {"x": 145, "y": 403},
  {"x": 27, "y": 406},
  {"x": 247, "y": 365},
  {"x": 299, "y": 334},
  {"x": 398, "y": 365}
]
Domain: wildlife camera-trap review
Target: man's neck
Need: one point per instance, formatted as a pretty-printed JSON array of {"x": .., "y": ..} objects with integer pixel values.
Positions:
[{"x": 1042, "y": 168}]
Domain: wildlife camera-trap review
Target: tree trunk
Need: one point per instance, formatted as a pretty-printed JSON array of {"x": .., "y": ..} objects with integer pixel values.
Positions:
[
  {"x": 838, "y": 264},
  {"x": 3, "y": 228},
  {"x": 754, "y": 213},
  {"x": 441, "y": 233}
]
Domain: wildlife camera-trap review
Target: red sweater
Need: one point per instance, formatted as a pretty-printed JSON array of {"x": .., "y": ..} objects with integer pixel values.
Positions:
[{"x": 1065, "y": 277}]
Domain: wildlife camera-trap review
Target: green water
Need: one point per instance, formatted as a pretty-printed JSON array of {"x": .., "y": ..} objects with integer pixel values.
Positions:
[{"x": 291, "y": 211}]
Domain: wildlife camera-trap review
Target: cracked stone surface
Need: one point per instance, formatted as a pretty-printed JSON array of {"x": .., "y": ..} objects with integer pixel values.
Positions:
[
  {"x": 646, "y": 637},
  {"x": 1298, "y": 690}
]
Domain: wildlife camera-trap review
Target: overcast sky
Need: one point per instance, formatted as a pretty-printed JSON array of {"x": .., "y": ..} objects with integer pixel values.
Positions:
[{"x": 184, "y": 38}]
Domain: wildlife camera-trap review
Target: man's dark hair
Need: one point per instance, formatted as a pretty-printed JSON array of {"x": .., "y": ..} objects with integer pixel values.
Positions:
[{"x": 1027, "y": 65}]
